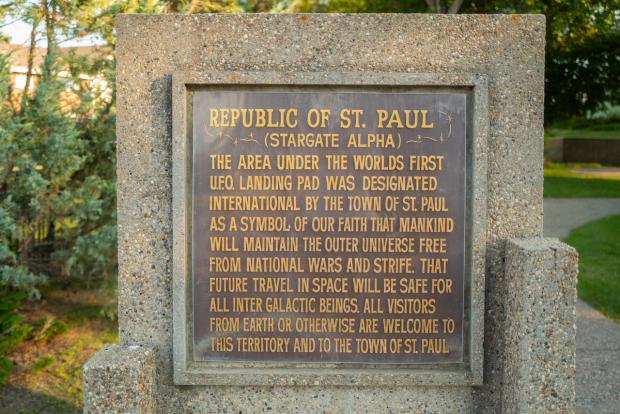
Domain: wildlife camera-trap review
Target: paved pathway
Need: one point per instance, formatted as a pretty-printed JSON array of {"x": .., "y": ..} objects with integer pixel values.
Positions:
[
  {"x": 564, "y": 214},
  {"x": 598, "y": 362},
  {"x": 598, "y": 338}
]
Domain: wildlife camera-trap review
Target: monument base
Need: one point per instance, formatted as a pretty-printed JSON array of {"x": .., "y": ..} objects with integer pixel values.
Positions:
[
  {"x": 539, "y": 368},
  {"x": 120, "y": 379},
  {"x": 538, "y": 372}
]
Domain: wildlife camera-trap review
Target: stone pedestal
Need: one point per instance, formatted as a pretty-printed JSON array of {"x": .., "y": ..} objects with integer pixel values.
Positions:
[
  {"x": 539, "y": 370},
  {"x": 120, "y": 379}
]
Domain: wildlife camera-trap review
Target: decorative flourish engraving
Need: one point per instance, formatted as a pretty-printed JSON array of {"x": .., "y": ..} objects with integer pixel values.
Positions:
[
  {"x": 234, "y": 140},
  {"x": 420, "y": 138}
]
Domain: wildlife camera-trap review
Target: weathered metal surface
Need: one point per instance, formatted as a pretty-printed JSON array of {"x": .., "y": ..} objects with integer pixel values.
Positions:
[{"x": 418, "y": 145}]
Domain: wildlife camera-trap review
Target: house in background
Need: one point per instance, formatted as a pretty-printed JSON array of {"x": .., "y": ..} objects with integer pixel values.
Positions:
[{"x": 18, "y": 57}]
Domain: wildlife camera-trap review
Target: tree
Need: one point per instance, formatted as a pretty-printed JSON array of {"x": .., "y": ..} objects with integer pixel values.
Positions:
[
  {"x": 439, "y": 6},
  {"x": 357, "y": 6},
  {"x": 57, "y": 171},
  {"x": 582, "y": 64},
  {"x": 582, "y": 36},
  {"x": 33, "y": 15},
  {"x": 58, "y": 181},
  {"x": 203, "y": 6},
  {"x": 583, "y": 78}
]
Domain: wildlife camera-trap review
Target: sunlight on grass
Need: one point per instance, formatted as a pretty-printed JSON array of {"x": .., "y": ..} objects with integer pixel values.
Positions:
[
  {"x": 609, "y": 130},
  {"x": 42, "y": 363},
  {"x": 561, "y": 182},
  {"x": 584, "y": 133},
  {"x": 598, "y": 244},
  {"x": 68, "y": 327}
]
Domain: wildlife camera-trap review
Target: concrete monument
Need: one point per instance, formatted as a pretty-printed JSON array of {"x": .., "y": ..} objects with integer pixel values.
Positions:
[{"x": 334, "y": 213}]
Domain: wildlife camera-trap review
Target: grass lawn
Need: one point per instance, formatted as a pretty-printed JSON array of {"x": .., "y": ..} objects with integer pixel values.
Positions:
[
  {"x": 68, "y": 327},
  {"x": 560, "y": 182},
  {"x": 594, "y": 130},
  {"x": 598, "y": 244},
  {"x": 584, "y": 133}
]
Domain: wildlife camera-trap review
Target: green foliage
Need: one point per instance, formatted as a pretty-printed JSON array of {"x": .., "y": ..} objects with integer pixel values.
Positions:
[
  {"x": 583, "y": 43},
  {"x": 607, "y": 115},
  {"x": 82, "y": 313},
  {"x": 12, "y": 331},
  {"x": 41, "y": 151},
  {"x": 584, "y": 77},
  {"x": 604, "y": 123},
  {"x": 91, "y": 230},
  {"x": 6, "y": 367},
  {"x": 16, "y": 171},
  {"x": 203, "y": 6},
  {"x": 42, "y": 362},
  {"x": 214, "y": 6},
  {"x": 57, "y": 174},
  {"x": 583, "y": 40},
  {"x": 610, "y": 131},
  {"x": 14, "y": 275},
  {"x": 50, "y": 327},
  {"x": 57, "y": 213},
  {"x": 357, "y": 6},
  {"x": 11, "y": 328},
  {"x": 598, "y": 243},
  {"x": 69, "y": 370}
]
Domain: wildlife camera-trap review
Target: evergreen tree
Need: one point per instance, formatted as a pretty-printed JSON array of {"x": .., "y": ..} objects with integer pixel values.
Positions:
[{"x": 57, "y": 172}]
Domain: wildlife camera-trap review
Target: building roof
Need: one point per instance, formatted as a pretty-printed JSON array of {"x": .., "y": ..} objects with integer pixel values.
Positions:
[{"x": 19, "y": 53}]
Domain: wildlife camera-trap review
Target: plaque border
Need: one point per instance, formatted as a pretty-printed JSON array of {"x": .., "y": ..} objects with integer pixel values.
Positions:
[{"x": 266, "y": 373}]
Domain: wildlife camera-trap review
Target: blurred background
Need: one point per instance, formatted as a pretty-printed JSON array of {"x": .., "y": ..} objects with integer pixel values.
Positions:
[{"x": 58, "y": 267}]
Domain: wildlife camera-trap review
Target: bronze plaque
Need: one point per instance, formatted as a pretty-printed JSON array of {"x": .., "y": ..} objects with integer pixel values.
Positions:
[{"x": 328, "y": 227}]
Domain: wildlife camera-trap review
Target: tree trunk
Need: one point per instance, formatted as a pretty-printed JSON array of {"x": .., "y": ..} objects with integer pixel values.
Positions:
[
  {"x": 439, "y": 6},
  {"x": 455, "y": 6},
  {"x": 50, "y": 34},
  {"x": 31, "y": 50},
  {"x": 432, "y": 5}
]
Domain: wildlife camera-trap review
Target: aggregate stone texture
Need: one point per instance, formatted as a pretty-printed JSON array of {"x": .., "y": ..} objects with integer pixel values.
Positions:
[
  {"x": 539, "y": 368},
  {"x": 508, "y": 49},
  {"x": 120, "y": 379}
]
